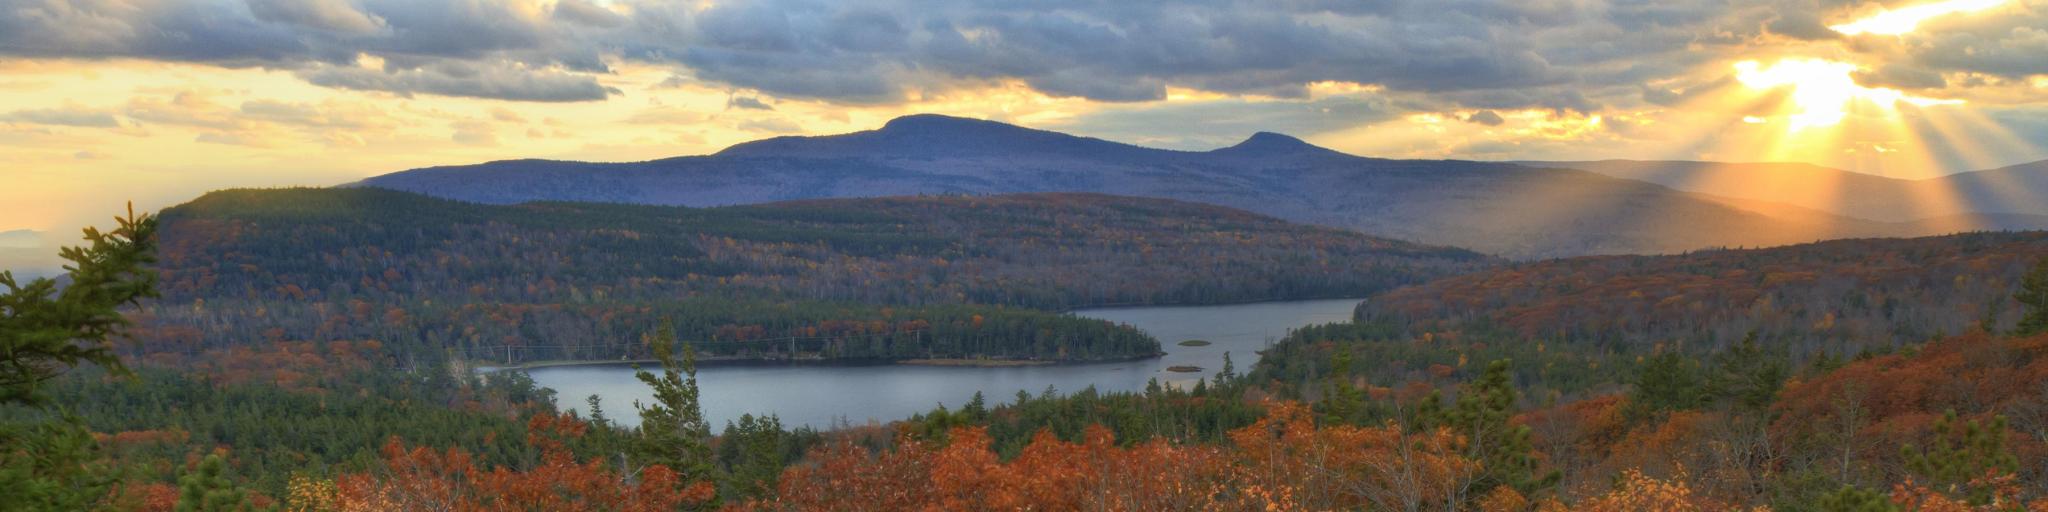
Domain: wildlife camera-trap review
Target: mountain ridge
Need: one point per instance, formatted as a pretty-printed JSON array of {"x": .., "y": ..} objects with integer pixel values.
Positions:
[{"x": 1499, "y": 208}]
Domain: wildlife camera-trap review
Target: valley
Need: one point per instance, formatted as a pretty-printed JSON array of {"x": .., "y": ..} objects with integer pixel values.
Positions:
[{"x": 867, "y": 335}]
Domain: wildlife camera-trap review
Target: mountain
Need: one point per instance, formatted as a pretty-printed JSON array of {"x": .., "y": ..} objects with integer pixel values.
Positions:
[
  {"x": 935, "y": 276},
  {"x": 1499, "y": 208},
  {"x": 2013, "y": 197}
]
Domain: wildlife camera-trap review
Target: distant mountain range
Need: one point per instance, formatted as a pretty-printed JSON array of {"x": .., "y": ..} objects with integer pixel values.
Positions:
[
  {"x": 1509, "y": 209},
  {"x": 2009, "y": 197}
]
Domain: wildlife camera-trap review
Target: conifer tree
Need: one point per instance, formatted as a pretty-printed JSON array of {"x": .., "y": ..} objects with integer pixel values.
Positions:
[
  {"x": 1856, "y": 499},
  {"x": 2034, "y": 295},
  {"x": 753, "y": 449},
  {"x": 673, "y": 432},
  {"x": 1482, "y": 414},
  {"x": 1747, "y": 375},
  {"x": 1961, "y": 462},
  {"x": 207, "y": 489},
  {"x": 44, "y": 331}
]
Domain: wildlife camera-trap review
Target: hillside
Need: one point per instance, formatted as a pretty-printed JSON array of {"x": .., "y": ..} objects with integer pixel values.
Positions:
[
  {"x": 874, "y": 278},
  {"x": 2013, "y": 197},
  {"x": 1839, "y": 296},
  {"x": 1496, "y": 208}
]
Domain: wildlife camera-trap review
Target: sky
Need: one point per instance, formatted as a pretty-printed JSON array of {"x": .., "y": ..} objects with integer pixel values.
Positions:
[{"x": 103, "y": 102}]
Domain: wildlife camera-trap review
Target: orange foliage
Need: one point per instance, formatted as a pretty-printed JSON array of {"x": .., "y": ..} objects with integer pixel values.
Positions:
[
  {"x": 1637, "y": 492},
  {"x": 2005, "y": 498},
  {"x": 424, "y": 479},
  {"x": 1280, "y": 463},
  {"x": 1895, "y": 399}
]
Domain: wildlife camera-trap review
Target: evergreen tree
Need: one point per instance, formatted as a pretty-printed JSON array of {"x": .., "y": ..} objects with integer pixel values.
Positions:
[
  {"x": 1747, "y": 375},
  {"x": 673, "y": 432},
  {"x": 207, "y": 489},
  {"x": 51, "y": 464},
  {"x": 1959, "y": 462},
  {"x": 1856, "y": 499},
  {"x": 976, "y": 409},
  {"x": 753, "y": 451},
  {"x": 45, "y": 331},
  {"x": 1229, "y": 371},
  {"x": 1482, "y": 414},
  {"x": 2034, "y": 294},
  {"x": 1667, "y": 382}
]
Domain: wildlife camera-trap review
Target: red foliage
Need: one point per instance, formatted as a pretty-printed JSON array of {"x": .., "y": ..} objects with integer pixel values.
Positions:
[
  {"x": 423, "y": 479},
  {"x": 1894, "y": 400}
]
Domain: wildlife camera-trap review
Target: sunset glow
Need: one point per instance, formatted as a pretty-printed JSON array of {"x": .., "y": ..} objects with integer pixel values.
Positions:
[
  {"x": 102, "y": 102},
  {"x": 1901, "y": 21},
  {"x": 1822, "y": 91}
]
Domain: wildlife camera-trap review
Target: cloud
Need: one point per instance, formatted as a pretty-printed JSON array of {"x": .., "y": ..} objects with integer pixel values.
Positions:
[
  {"x": 770, "y": 125},
  {"x": 747, "y": 103},
  {"x": 64, "y": 116},
  {"x": 495, "y": 80},
  {"x": 328, "y": 15},
  {"x": 1203, "y": 125},
  {"x": 21, "y": 239},
  {"x": 475, "y": 133},
  {"x": 1485, "y": 117},
  {"x": 1804, "y": 25},
  {"x": 1578, "y": 55},
  {"x": 586, "y": 13},
  {"x": 1901, "y": 76},
  {"x": 506, "y": 115}
]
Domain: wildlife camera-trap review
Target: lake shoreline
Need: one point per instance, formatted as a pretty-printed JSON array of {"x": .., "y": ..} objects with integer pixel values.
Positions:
[{"x": 818, "y": 362}]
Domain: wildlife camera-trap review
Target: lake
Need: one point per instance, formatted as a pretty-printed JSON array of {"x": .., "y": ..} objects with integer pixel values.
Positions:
[{"x": 824, "y": 396}]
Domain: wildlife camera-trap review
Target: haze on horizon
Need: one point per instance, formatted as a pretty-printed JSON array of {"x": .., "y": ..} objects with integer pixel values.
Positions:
[{"x": 103, "y": 101}]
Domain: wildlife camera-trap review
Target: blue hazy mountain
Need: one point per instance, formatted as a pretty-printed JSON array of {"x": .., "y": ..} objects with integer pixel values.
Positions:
[{"x": 1509, "y": 209}]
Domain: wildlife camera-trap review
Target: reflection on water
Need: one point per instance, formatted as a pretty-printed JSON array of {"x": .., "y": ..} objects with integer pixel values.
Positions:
[{"x": 823, "y": 396}]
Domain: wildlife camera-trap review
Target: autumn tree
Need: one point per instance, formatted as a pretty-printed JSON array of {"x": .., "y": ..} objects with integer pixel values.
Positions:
[
  {"x": 673, "y": 432},
  {"x": 2034, "y": 294}
]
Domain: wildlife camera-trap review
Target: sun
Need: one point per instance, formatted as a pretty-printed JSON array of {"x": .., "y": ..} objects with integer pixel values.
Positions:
[{"x": 1822, "y": 90}]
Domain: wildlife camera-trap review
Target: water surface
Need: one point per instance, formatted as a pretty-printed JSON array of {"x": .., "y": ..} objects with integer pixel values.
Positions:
[{"x": 824, "y": 396}]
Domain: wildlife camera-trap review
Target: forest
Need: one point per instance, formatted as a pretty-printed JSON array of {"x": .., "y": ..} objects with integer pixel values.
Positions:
[
  {"x": 951, "y": 276},
  {"x": 1364, "y": 415}
]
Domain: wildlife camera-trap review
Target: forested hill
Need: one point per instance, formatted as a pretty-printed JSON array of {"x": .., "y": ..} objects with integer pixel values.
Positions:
[
  {"x": 890, "y": 277},
  {"x": 1497, "y": 208},
  {"x": 1839, "y": 296}
]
